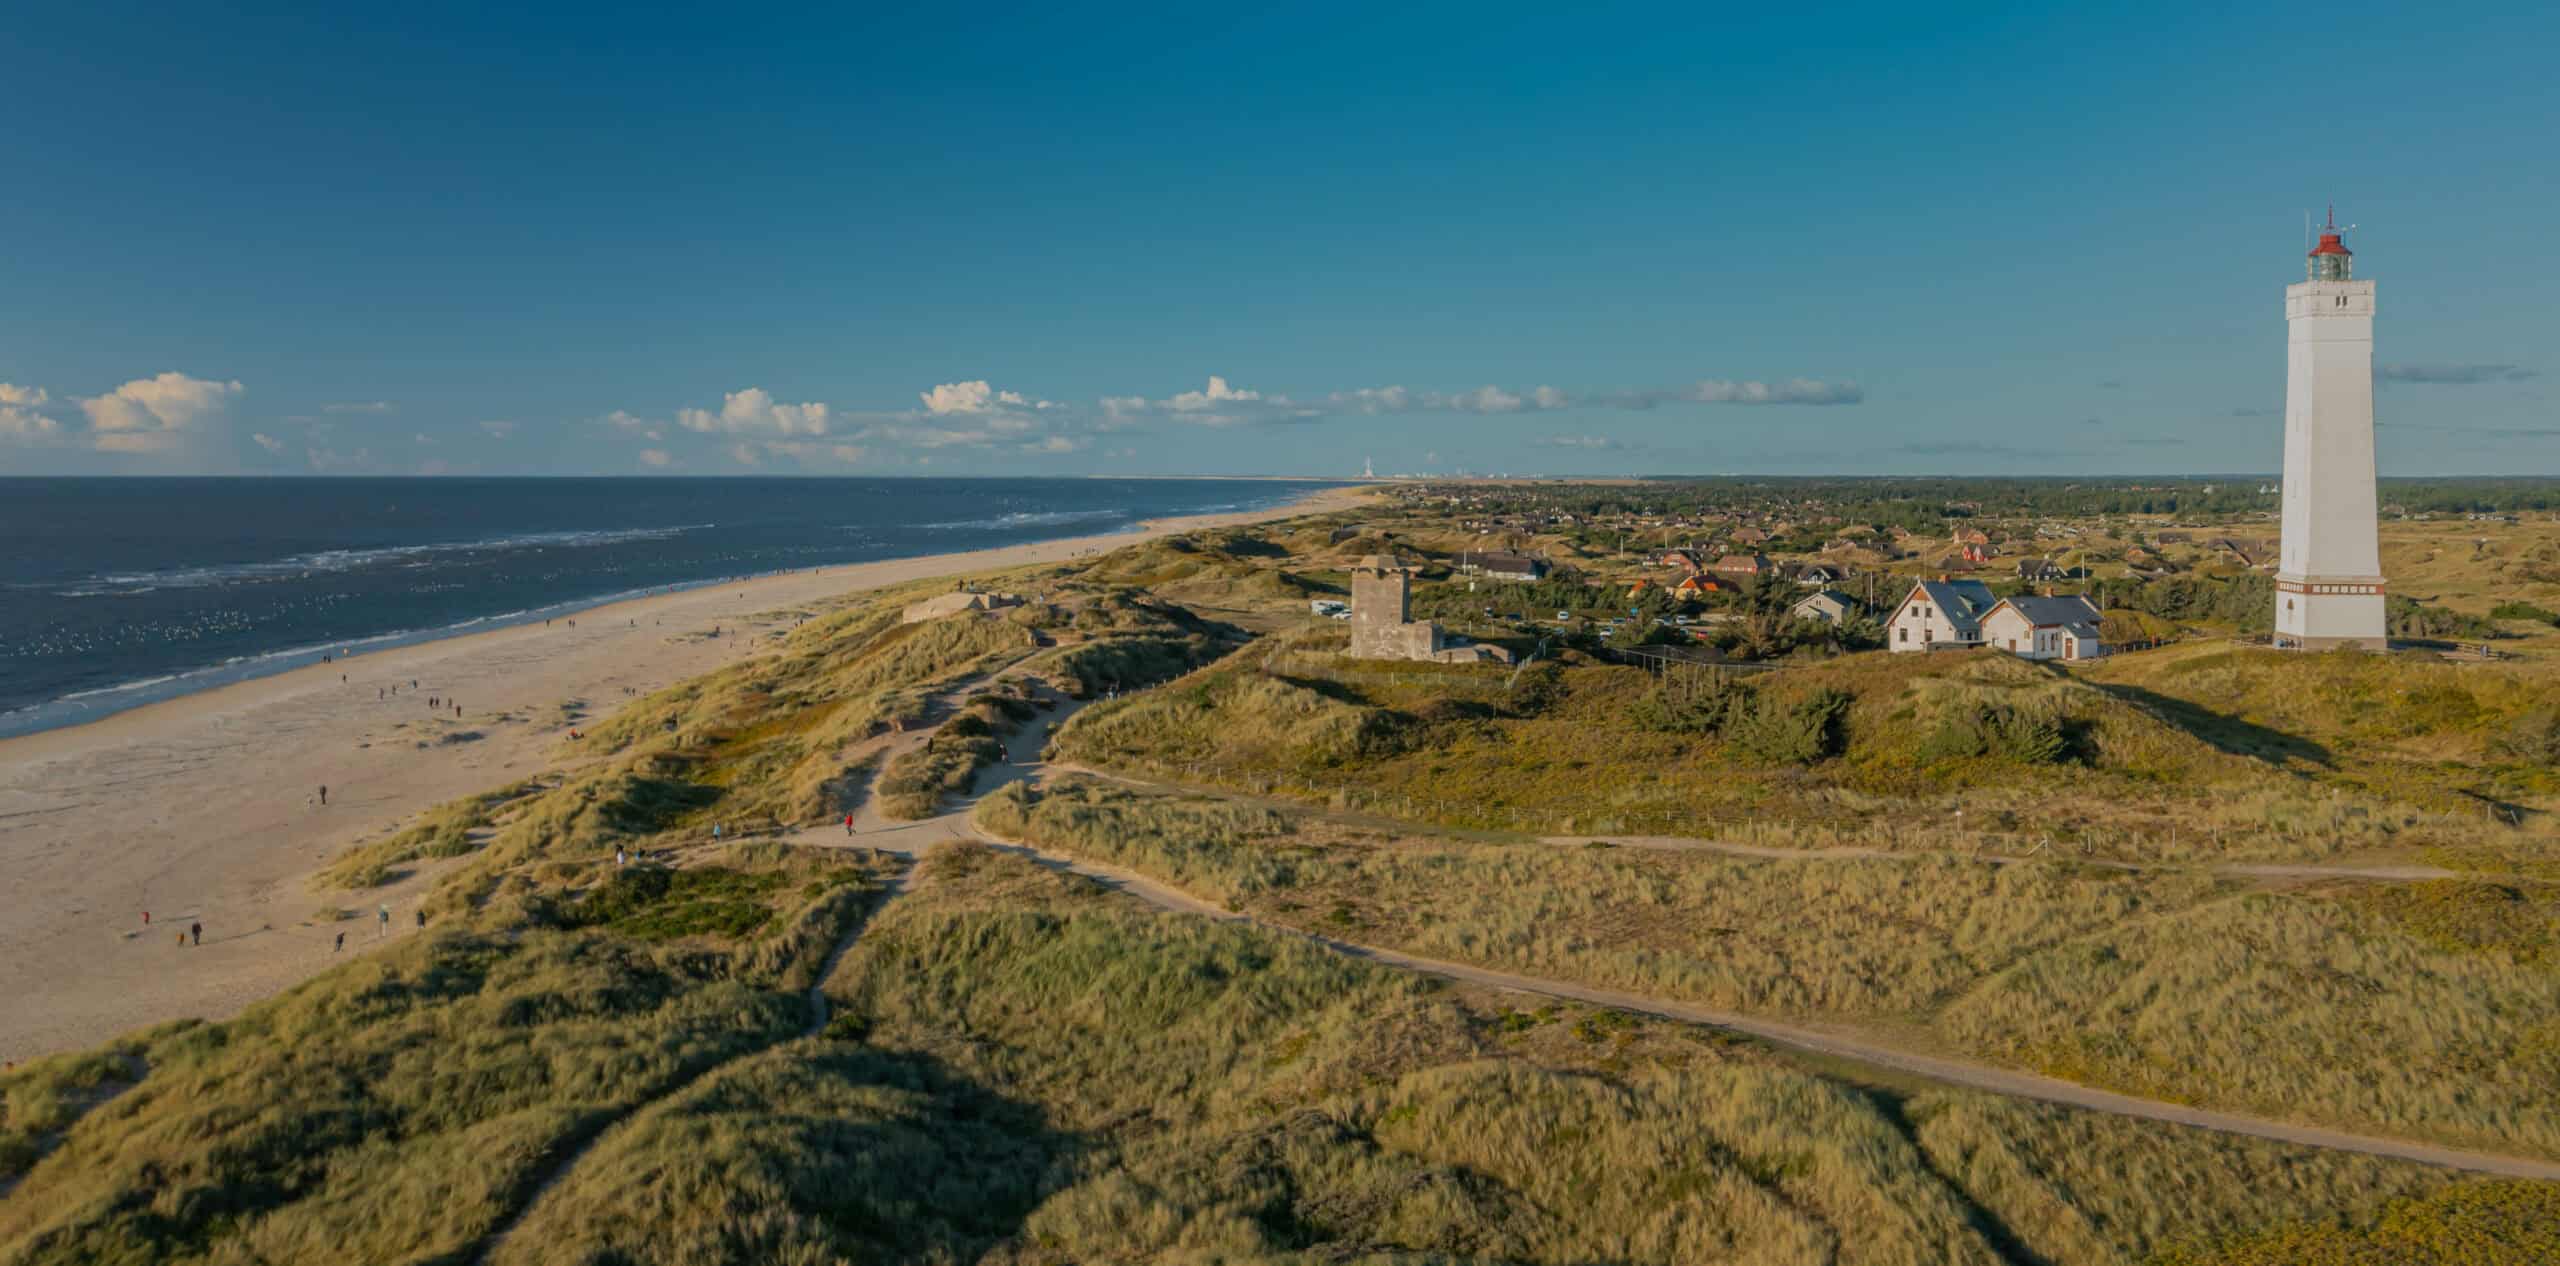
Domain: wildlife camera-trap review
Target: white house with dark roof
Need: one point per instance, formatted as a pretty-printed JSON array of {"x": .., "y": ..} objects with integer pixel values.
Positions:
[
  {"x": 2044, "y": 628},
  {"x": 1827, "y": 605},
  {"x": 1940, "y": 614}
]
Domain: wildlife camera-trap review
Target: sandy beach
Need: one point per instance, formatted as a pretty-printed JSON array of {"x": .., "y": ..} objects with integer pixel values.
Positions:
[{"x": 206, "y": 808}]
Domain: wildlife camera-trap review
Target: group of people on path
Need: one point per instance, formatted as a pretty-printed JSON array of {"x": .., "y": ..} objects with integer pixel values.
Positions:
[
  {"x": 381, "y": 925},
  {"x": 193, "y": 936}
]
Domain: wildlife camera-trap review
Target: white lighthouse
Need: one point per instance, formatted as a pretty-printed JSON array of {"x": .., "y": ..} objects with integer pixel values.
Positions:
[{"x": 2329, "y": 567}]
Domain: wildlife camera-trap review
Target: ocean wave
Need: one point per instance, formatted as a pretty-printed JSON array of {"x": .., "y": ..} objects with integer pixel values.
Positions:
[
  {"x": 1023, "y": 519},
  {"x": 126, "y": 584}
]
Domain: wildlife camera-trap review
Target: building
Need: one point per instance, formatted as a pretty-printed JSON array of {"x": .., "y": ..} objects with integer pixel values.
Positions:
[
  {"x": 1702, "y": 583},
  {"x": 1940, "y": 613},
  {"x": 1821, "y": 575},
  {"x": 1829, "y": 606},
  {"x": 2041, "y": 569},
  {"x": 2329, "y": 587},
  {"x": 1382, "y": 623},
  {"x": 1744, "y": 564},
  {"x": 2044, "y": 628},
  {"x": 1503, "y": 566}
]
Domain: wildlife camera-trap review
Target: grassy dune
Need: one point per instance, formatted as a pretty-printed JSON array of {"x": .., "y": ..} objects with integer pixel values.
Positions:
[
  {"x": 1025, "y": 1068},
  {"x": 2419, "y": 1010},
  {"x": 1562, "y": 749},
  {"x": 783, "y": 739},
  {"x": 395, "y": 1108},
  {"x": 1032, "y": 1071}
]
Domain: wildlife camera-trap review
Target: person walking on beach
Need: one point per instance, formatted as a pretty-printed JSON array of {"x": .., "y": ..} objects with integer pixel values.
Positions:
[
  {"x": 324, "y": 793},
  {"x": 382, "y": 925},
  {"x": 196, "y": 930},
  {"x": 848, "y": 824},
  {"x": 342, "y": 943},
  {"x": 422, "y": 919}
]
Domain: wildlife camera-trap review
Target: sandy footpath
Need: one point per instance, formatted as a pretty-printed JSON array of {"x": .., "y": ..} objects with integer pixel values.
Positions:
[{"x": 205, "y": 808}]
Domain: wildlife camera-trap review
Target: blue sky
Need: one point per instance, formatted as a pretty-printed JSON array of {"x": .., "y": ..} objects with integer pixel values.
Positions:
[{"x": 977, "y": 239}]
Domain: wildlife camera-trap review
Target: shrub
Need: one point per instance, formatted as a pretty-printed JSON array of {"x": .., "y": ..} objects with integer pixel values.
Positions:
[
  {"x": 654, "y": 903},
  {"x": 2534, "y": 737},
  {"x": 1691, "y": 701},
  {"x": 2524, "y": 611},
  {"x": 1797, "y": 732}
]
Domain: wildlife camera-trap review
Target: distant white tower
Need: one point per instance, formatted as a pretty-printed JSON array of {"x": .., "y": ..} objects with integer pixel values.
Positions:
[
  {"x": 1368, "y": 469},
  {"x": 2329, "y": 566}
]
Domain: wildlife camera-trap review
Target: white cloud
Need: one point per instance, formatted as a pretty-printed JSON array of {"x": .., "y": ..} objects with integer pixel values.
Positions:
[
  {"x": 958, "y": 397},
  {"x": 939, "y": 436},
  {"x": 977, "y": 396},
  {"x": 1219, "y": 404},
  {"x": 424, "y": 439},
  {"x": 358, "y": 406},
  {"x": 1371, "y": 400},
  {"x": 19, "y": 419},
  {"x": 1491, "y": 399},
  {"x": 1052, "y": 444},
  {"x": 1218, "y": 393},
  {"x": 753, "y": 411},
  {"x": 806, "y": 452},
  {"x": 1487, "y": 399},
  {"x": 499, "y": 427},
  {"x": 655, "y": 457},
  {"x": 1579, "y": 441},
  {"x": 1791, "y": 391},
  {"x": 268, "y": 442},
  {"x": 147, "y": 414}
]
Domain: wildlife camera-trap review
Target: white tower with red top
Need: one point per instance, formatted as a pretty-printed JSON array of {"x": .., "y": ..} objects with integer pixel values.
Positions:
[{"x": 2329, "y": 565}]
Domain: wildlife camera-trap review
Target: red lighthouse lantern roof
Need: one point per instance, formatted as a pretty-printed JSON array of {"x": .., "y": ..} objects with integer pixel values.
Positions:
[{"x": 2330, "y": 242}]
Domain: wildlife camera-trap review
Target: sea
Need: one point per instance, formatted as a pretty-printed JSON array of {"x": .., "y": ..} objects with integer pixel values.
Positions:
[{"x": 119, "y": 592}]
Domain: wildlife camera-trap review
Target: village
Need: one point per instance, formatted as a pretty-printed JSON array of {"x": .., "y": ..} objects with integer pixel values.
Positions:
[
  {"x": 2018, "y": 587},
  {"x": 1753, "y": 572}
]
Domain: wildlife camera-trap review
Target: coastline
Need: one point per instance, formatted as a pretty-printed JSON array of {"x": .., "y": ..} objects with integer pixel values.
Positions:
[
  {"x": 203, "y": 807},
  {"x": 94, "y": 704}
]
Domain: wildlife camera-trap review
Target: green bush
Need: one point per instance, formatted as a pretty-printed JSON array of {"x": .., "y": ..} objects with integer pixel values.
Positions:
[
  {"x": 2534, "y": 737},
  {"x": 1691, "y": 701},
  {"x": 1791, "y": 732},
  {"x": 654, "y": 903},
  {"x": 2524, "y": 611},
  {"x": 2029, "y": 736}
]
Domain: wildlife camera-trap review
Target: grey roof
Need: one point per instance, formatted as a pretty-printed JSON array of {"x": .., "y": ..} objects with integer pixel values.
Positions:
[
  {"x": 1962, "y": 602},
  {"x": 2046, "y": 613},
  {"x": 1833, "y": 594}
]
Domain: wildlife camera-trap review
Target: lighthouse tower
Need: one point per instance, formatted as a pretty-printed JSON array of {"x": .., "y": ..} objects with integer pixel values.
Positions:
[{"x": 2329, "y": 566}]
